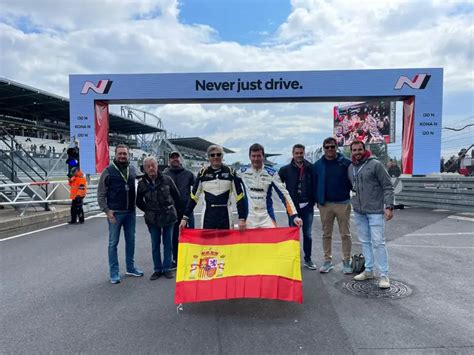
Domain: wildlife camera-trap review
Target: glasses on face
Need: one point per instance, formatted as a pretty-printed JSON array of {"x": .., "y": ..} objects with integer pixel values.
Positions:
[
  {"x": 330, "y": 147},
  {"x": 213, "y": 155}
]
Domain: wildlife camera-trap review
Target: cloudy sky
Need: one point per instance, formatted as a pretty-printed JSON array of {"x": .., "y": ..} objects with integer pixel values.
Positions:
[{"x": 43, "y": 41}]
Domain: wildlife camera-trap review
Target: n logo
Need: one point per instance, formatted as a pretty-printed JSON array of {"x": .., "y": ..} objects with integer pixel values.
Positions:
[
  {"x": 103, "y": 87},
  {"x": 419, "y": 81}
]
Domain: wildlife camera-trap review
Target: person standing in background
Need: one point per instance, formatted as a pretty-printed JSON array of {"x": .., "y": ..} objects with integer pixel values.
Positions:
[{"x": 184, "y": 180}]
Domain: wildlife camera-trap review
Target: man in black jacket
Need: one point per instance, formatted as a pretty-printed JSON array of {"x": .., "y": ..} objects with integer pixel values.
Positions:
[
  {"x": 298, "y": 178},
  {"x": 159, "y": 198},
  {"x": 116, "y": 197},
  {"x": 184, "y": 180}
]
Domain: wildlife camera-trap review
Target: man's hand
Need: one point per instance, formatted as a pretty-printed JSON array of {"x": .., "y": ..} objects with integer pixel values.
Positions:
[
  {"x": 298, "y": 222},
  {"x": 183, "y": 224},
  {"x": 388, "y": 214},
  {"x": 242, "y": 224},
  {"x": 111, "y": 217}
]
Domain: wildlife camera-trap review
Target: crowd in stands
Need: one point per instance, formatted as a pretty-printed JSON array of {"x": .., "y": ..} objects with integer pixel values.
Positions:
[{"x": 52, "y": 148}]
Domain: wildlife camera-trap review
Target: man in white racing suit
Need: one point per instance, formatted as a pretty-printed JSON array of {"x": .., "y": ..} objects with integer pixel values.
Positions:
[{"x": 260, "y": 183}]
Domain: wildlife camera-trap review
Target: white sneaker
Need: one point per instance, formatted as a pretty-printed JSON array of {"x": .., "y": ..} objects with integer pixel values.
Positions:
[
  {"x": 364, "y": 275},
  {"x": 384, "y": 282}
]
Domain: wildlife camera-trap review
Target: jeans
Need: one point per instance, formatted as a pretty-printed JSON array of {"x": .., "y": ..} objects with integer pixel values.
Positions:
[
  {"x": 307, "y": 215},
  {"x": 370, "y": 228},
  {"x": 127, "y": 220},
  {"x": 341, "y": 212},
  {"x": 156, "y": 234},
  {"x": 176, "y": 234}
]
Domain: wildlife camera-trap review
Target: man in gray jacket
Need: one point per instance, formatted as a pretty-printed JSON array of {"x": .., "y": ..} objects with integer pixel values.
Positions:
[{"x": 372, "y": 203}]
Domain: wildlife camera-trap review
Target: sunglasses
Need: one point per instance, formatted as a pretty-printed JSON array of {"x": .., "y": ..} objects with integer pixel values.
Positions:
[
  {"x": 213, "y": 155},
  {"x": 330, "y": 147}
]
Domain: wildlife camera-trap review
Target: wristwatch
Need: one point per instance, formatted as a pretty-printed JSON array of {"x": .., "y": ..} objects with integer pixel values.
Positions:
[{"x": 389, "y": 207}]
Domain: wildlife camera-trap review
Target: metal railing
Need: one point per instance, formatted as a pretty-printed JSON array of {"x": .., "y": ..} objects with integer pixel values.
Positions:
[
  {"x": 455, "y": 193},
  {"x": 58, "y": 193}
]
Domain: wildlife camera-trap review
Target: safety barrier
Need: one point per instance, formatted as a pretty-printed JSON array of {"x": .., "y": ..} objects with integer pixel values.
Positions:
[
  {"x": 455, "y": 193},
  {"x": 18, "y": 194}
]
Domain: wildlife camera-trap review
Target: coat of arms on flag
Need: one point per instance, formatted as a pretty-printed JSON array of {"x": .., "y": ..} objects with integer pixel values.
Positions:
[{"x": 225, "y": 264}]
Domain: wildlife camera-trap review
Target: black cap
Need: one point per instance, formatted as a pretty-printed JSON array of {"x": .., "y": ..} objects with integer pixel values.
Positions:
[{"x": 173, "y": 153}]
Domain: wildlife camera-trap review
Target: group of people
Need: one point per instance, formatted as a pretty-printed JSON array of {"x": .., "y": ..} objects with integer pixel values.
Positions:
[
  {"x": 368, "y": 126},
  {"x": 168, "y": 199}
]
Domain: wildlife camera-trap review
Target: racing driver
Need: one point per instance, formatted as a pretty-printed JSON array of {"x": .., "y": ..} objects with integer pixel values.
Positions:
[
  {"x": 217, "y": 182},
  {"x": 260, "y": 182}
]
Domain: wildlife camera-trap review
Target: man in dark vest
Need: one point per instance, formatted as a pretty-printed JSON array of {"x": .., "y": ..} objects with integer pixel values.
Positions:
[
  {"x": 116, "y": 197},
  {"x": 298, "y": 178},
  {"x": 184, "y": 180}
]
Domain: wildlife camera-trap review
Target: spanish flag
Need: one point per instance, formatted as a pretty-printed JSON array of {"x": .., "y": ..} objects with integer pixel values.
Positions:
[{"x": 224, "y": 264}]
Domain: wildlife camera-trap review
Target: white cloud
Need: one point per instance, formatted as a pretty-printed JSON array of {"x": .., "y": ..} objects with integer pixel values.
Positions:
[{"x": 42, "y": 42}]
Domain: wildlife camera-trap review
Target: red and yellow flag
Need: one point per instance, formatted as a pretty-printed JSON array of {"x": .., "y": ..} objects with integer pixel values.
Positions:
[{"x": 225, "y": 264}]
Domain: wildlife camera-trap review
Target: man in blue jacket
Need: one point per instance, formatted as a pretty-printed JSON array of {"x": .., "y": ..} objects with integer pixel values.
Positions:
[{"x": 332, "y": 194}]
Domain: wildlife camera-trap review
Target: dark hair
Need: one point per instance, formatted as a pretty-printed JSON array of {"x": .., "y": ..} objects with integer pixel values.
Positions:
[
  {"x": 256, "y": 148},
  {"x": 300, "y": 146},
  {"x": 121, "y": 146},
  {"x": 329, "y": 139},
  {"x": 357, "y": 142}
]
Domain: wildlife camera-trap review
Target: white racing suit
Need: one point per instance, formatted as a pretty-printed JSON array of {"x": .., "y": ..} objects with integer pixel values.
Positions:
[{"x": 259, "y": 188}]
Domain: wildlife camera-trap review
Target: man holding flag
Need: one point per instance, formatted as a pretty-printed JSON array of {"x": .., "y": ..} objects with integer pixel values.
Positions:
[
  {"x": 252, "y": 263},
  {"x": 260, "y": 182},
  {"x": 216, "y": 182}
]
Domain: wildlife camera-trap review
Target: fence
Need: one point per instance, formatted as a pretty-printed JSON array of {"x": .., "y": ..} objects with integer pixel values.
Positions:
[
  {"x": 454, "y": 193},
  {"x": 26, "y": 194}
]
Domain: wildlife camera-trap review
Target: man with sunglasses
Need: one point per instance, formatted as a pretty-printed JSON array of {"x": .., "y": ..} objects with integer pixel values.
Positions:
[
  {"x": 298, "y": 179},
  {"x": 217, "y": 182},
  {"x": 332, "y": 194}
]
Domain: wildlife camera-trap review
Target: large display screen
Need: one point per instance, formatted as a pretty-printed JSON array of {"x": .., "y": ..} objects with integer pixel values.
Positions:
[{"x": 369, "y": 122}]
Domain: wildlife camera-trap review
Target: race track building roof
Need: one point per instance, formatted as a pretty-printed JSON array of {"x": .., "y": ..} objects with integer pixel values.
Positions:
[
  {"x": 31, "y": 104},
  {"x": 195, "y": 143}
]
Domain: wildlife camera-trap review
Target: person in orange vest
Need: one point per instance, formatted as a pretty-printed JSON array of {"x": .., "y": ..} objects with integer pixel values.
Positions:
[{"x": 78, "y": 191}]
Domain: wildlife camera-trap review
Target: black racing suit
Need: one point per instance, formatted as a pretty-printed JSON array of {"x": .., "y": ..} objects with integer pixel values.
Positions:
[{"x": 217, "y": 186}]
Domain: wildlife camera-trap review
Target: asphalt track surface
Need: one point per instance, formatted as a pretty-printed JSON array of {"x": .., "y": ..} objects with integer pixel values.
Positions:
[{"x": 56, "y": 297}]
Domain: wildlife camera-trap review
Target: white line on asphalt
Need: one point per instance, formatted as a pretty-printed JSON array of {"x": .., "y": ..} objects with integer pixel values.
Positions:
[
  {"x": 422, "y": 234},
  {"x": 45, "y": 229},
  {"x": 427, "y": 246},
  {"x": 412, "y": 246},
  {"x": 462, "y": 218}
]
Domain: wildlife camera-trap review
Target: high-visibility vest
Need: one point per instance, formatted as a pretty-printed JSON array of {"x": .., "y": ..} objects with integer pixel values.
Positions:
[{"x": 78, "y": 185}]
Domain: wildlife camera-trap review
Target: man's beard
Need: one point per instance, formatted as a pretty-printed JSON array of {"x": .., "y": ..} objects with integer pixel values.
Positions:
[{"x": 121, "y": 165}]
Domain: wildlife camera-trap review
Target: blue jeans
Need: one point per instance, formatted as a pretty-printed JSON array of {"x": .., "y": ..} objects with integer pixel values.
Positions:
[
  {"x": 127, "y": 220},
  {"x": 307, "y": 215},
  {"x": 156, "y": 234},
  {"x": 370, "y": 228}
]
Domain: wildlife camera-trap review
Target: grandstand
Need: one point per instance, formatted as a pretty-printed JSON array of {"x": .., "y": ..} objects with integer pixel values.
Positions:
[{"x": 34, "y": 136}]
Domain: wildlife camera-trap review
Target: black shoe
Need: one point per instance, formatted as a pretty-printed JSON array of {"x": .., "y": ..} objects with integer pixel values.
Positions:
[
  {"x": 71, "y": 222},
  {"x": 169, "y": 274},
  {"x": 156, "y": 275},
  {"x": 81, "y": 222},
  {"x": 174, "y": 265}
]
